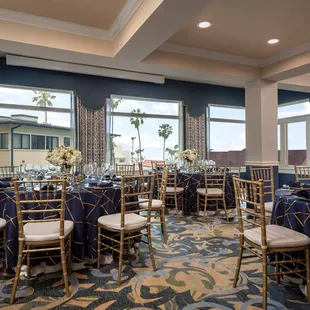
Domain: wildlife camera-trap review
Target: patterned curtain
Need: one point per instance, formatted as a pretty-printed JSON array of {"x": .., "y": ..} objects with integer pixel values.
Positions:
[
  {"x": 91, "y": 133},
  {"x": 195, "y": 133}
]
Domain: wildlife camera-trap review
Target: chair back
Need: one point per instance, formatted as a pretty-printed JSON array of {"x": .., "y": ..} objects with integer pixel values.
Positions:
[
  {"x": 251, "y": 195},
  {"x": 157, "y": 162},
  {"x": 215, "y": 178},
  {"x": 10, "y": 171},
  {"x": 172, "y": 175},
  {"x": 140, "y": 168},
  {"x": 133, "y": 188},
  {"x": 163, "y": 188},
  {"x": 265, "y": 174},
  {"x": 302, "y": 173},
  {"x": 40, "y": 201},
  {"x": 125, "y": 170}
]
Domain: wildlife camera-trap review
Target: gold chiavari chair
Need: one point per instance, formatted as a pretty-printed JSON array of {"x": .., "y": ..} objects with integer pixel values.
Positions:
[
  {"x": 265, "y": 174},
  {"x": 265, "y": 240},
  {"x": 45, "y": 200},
  {"x": 127, "y": 225},
  {"x": 157, "y": 162},
  {"x": 173, "y": 192},
  {"x": 140, "y": 168},
  {"x": 10, "y": 172},
  {"x": 302, "y": 173},
  {"x": 3, "y": 237},
  {"x": 125, "y": 170},
  {"x": 214, "y": 190},
  {"x": 159, "y": 205}
]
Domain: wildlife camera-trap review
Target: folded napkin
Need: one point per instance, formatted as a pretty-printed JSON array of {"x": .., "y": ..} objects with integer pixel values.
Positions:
[
  {"x": 47, "y": 187},
  {"x": 7, "y": 179},
  {"x": 105, "y": 183},
  {"x": 4, "y": 184},
  {"x": 302, "y": 193},
  {"x": 117, "y": 179},
  {"x": 294, "y": 184}
]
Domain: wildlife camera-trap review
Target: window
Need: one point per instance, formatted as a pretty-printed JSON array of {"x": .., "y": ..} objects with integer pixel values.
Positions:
[
  {"x": 4, "y": 141},
  {"x": 21, "y": 141},
  {"x": 156, "y": 115},
  {"x": 67, "y": 141},
  {"x": 52, "y": 142},
  {"x": 294, "y": 122},
  {"x": 221, "y": 148},
  {"x": 37, "y": 142}
]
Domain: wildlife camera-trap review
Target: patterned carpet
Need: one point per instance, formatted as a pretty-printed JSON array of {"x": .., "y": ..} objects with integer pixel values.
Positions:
[{"x": 195, "y": 271}]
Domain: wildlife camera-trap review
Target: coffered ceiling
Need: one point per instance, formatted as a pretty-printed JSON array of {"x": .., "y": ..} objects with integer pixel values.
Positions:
[{"x": 161, "y": 37}]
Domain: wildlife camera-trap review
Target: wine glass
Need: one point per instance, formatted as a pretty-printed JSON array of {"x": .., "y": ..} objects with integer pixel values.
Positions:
[
  {"x": 111, "y": 171},
  {"x": 87, "y": 172}
]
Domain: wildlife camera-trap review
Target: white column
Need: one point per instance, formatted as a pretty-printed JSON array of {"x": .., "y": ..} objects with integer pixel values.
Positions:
[{"x": 261, "y": 103}]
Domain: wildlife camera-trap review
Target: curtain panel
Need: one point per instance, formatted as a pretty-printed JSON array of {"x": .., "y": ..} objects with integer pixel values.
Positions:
[
  {"x": 91, "y": 133},
  {"x": 195, "y": 133}
]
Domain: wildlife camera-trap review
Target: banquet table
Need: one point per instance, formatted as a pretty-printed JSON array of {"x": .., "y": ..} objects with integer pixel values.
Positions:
[
  {"x": 291, "y": 211},
  {"x": 190, "y": 181},
  {"x": 83, "y": 206}
]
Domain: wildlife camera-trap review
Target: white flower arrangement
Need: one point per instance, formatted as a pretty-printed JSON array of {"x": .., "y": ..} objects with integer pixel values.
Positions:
[
  {"x": 64, "y": 156},
  {"x": 189, "y": 155}
]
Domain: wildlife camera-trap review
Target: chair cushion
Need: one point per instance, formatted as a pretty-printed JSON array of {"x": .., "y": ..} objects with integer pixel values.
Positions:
[
  {"x": 269, "y": 206},
  {"x": 277, "y": 237},
  {"x": 210, "y": 191},
  {"x": 173, "y": 190},
  {"x": 132, "y": 221},
  {"x": 46, "y": 231},
  {"x": 2, "y": 223},
  {"x": 156, "y": 203}
]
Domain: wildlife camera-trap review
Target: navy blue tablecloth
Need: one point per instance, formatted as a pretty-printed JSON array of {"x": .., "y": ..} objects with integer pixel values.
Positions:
[
  {"x": 292, "y": 212},
  {"x": 83, "y": 207}
]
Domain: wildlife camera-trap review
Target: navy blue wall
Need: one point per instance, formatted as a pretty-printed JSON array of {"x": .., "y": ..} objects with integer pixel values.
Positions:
[{"x": 94, "y": 90}]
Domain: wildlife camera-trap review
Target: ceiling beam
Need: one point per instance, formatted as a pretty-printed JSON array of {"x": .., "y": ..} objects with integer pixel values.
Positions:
[{"x": 153, "y": 24}]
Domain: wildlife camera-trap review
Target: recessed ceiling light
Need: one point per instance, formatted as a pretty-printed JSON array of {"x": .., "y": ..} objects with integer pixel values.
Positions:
[
  {"x": 273, "y": 41},
  {"x": 204, "y": 24}
]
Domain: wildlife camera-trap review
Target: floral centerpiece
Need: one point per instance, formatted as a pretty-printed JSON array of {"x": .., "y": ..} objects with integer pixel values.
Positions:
[
  {"x": 188, "y": 156},
  {"x": 65, "y": 157}
]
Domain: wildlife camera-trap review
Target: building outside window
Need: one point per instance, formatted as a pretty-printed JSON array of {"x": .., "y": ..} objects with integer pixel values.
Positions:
[
  {"x": 4, "y": 141},
  {"x": 37, "y": 126},
  {"x": 157, "y": 115}
]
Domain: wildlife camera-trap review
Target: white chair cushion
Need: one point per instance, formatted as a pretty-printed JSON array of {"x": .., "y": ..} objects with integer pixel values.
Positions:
[
  {"x": 269, "y": 206},
  {"x": 173, "y": 190},
  {"x": 210, "y": 191},
  {"x": 277, "y": 237},
  {"x": 2, "y": 223},
  {"x": 156, "y": 203},
  {"x": 46, "y": 231},
  {"x": 132, "y": 221}
]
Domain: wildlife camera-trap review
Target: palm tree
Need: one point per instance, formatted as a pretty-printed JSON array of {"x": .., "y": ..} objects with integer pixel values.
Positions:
[
  {"x": 43, "y": 99},
  {"x": 114, "y": 106},
  {"x": 164, "y": 131},
  {"x": 137, "y": 120}
]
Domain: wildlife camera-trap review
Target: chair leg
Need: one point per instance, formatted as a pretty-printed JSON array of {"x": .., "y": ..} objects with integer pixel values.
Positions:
[
  {"x": 278, "y": 268},
  {"x": 4, "y": 249},
  {"x": 225, "y": 208},
  {"x": 28, "y": 263},
  {"x": 150, "y": 246},
  {"x": 205, "y": 206},
  {"x": 17, "y": 272},
  {"x": 64, "y": 266},
  {"x": 98, "y": 248},
  {"x": 265, "y": 279},
  {"x": 308, "y": 274},
  {"x": 238, "y": 264},
  {"x": 176, "y": 205},
  {"x": 163, "y": 224},
  {"x": 197, "y": 202},
  {"x": 70, "y": 254},
  {"x": 120, "y": 259}
]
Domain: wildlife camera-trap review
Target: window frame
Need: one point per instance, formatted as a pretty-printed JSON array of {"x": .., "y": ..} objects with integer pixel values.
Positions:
[
  {"x": 21, "y": 141},
  {"x": 1, "y": 140},
  {"x": 51, "y": 137},
  {"x": 38, "y": 149},
  {"x": 67, "y": 137}
]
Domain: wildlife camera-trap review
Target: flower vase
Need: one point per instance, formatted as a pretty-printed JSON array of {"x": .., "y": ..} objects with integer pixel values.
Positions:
[
  {"x": 66, "y": 172},
  {"x": 187, "y": 165}
]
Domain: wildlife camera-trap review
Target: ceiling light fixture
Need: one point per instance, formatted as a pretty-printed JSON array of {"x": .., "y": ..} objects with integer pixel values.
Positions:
[
  {"x": 273, "y": 41},
  {"x": 204, "y": 24}
]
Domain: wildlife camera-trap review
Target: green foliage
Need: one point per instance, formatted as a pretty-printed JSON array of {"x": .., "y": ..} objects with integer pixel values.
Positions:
[
  {"x": 137, "y": 120},
  {"x": 43, "y": 99},
  {"x": 164, "y": 131},
  {"x": 172, "y": 153}
]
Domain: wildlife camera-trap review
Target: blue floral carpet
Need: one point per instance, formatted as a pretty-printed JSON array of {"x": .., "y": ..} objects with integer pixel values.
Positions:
[{"x": 194, "y": 271}]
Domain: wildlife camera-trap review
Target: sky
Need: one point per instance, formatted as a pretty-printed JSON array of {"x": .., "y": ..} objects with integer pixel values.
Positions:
[{"x": 24, "y": 97}]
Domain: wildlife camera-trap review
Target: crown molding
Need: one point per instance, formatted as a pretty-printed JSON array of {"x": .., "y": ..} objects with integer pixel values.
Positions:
[
  {"x": 119, "y": 23},
  {"x": 185, "y": 50}
]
